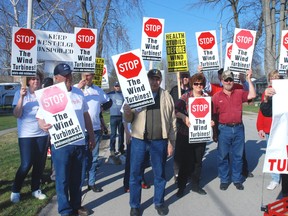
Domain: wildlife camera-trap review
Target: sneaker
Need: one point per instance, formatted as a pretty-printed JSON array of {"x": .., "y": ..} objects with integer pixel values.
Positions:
[
  {"x": 272, "y": 185},
  {"x": 15, "y": 197},
  {"x": 39, "y": 195}
]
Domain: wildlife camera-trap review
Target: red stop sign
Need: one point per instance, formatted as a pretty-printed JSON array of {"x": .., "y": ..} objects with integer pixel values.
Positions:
[
  {"x": 129, "y": 65},
  {"x": 206, "y": 40},
  {"x": 53, "y": 100},
  {"x": 229, "y": 51},
  {"x": 199, "y": 107},
  {"x": 244, "y": 39},
  {"x": 25, "y": 39},
  {"x": 85, "y": 38},
  {"x": 104, "y": 71},
  {"x": 285, "y": 41},
  {"x": 153, "y": 27}
]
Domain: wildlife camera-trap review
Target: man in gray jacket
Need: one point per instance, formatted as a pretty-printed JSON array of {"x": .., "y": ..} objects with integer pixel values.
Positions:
[{"x": 153, "y": 128}]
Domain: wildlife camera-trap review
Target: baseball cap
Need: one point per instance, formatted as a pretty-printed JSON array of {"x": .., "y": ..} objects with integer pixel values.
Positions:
[
  {"x": 227, "y": 74},
  {"x": 184, "y": 75},
  {"x": 62, "y": 69},
  {"x": 116, "y": 84},
  {"x": 154, "y": 73}
]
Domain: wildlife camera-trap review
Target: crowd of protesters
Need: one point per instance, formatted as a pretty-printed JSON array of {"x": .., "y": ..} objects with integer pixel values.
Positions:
[{"x": 154, "y": 133}]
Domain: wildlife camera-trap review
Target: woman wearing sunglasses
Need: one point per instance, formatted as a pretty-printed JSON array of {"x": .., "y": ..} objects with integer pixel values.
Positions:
[{"x": 189, "y": 155}]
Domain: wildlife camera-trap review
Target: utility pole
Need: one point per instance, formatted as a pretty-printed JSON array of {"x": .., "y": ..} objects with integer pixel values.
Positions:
[
  {"x": 221, "y": 57},
  {"x": 29, "y": 14}
]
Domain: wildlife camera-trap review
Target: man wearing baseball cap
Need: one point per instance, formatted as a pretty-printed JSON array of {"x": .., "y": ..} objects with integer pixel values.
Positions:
[
  {"x": 68, "y": 159},
  {"x": 153, "y": 128},
  {"x": 227, "y": 111}
]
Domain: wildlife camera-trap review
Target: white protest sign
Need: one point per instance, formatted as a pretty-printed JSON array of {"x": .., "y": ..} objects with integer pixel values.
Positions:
[
  {"x": 207, "y": 50},
  {"x": 133, "y": 79},
  {"x": 84, "y": 50},
  {"x": 283, "y": 59},
  {"x": 55, "y": 46},
  {"x": 152, "y": 39},
  {"x": 228, "y": 56},
  {"x": 277, "y": 147},
  {"x": 242, "y": 51},
  {"x": 57, "y": 110},
  {"x": 24, "y": 52},
  {"x": 200, "y": 118},
  {"x": 105, "y": 79}
]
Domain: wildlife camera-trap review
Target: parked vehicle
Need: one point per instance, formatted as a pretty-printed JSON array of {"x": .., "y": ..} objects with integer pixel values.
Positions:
[{"x": 7, "y": 91}]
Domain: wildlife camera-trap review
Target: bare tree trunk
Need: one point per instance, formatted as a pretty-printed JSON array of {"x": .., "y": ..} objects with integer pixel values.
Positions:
[
  {"x": 101, "y": 32},
  {"x": 85, "y": 14},
  {"x": 269, "y": 53},
  {"x": 234, "y": 5}
]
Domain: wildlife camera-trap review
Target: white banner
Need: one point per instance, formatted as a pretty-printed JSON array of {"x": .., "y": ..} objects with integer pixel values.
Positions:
[
  {"x": 105, "y": 79},
  {"x": 277, "y": 147},
  {"x": 283, "y": 59}
]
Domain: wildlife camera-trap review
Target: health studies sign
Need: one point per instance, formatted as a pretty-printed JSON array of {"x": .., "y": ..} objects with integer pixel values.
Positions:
[
  {"x": 207, "y": 50},
  {"x": 152, "y": 39},
  {"x": 133, "y": 79},
  {"x": 176, "y": 52},
  {"x": 277, "y": 147},
  {"x": 57, "y": 110},
  {"x": 242, "y": 51},
  {"x": 24, "y": 52},
  {"x": 283, "y": 59},
  {"x": 200, "y": 119},
  {"x": 84, "y": 50}
]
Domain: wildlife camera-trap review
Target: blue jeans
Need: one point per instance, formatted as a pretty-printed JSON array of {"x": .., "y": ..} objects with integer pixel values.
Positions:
[
  {"x": 90, "y": 161},
  {"x": 158, "y": 154},
  {"x": 116, "y": 123},
  {"x": 32, "y": 153},
  {"x": 68, "y": 167},
  {"x": 230, "y": 138}
]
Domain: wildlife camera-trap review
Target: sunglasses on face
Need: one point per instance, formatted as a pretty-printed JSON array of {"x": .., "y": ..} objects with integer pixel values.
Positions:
[
  {"x": 229, "y": 80},
  {"x": 198, "y": 84},
  {"x": 184, "y": 76}
]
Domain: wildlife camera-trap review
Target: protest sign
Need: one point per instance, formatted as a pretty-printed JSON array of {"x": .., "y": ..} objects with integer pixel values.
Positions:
[
  {"x": 105, "y": 79},
  {"x": 176, "y": 52},
  {"x": 242, "y": 52},
  {"x": 133, "y": 79},
  {"x": 228, "y": 56},
  {"x": 152, "y": 39},
  {"x": 200, "y": 119},
  {"x": 55, "y": 46},
  {"x": 98, "y": 71},
  {"x": 84, "y": 50},
  {"x": 24, "y": 52},
  {"x": 276, "y": 158},
  {"x": 57, "y": 110},
  {"x": 283, "y": 59},
  {"x": 207, "y": 50}
]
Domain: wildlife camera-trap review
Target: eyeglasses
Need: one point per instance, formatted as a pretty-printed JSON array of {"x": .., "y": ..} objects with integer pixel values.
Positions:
[
  {"x": 197, "y": 84},
  {"x": 184, "y": 76},
  {"x": 229, "y": 80}
]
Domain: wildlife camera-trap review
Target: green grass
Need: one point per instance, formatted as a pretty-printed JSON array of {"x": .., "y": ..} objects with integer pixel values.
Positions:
[
  {"x": 10, "y": 161},
  {"x": 7, "y": 121},
  {"x": 253, "y": 107}
]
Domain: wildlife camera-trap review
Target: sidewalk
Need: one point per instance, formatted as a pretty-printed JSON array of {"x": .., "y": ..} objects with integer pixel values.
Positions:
[{"x": 113, "y": 200}]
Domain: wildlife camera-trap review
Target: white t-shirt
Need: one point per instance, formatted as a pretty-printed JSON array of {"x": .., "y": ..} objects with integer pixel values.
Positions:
[
  {"x": 95, "y": 96},
  {"x": 27, "y": 124},
  {"x": 80, "y": 107}
]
